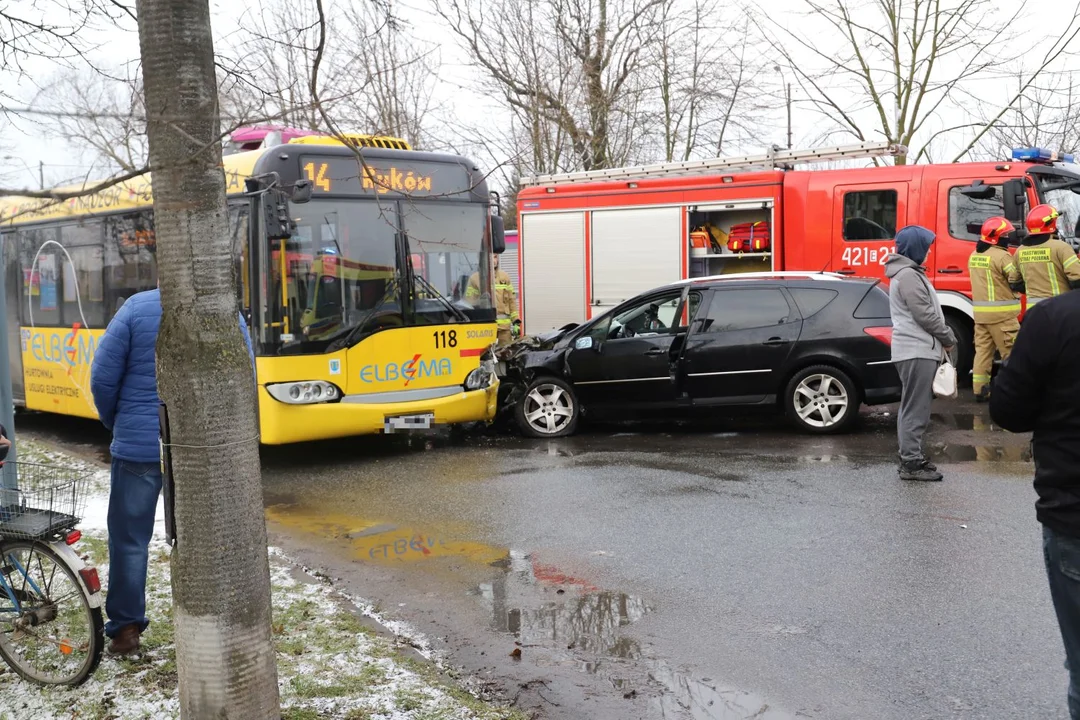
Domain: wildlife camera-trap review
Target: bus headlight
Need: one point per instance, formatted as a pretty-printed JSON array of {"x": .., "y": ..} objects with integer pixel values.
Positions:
[
  {"x": 482, "y": 376},
  {"x": 304, "y": 393}
]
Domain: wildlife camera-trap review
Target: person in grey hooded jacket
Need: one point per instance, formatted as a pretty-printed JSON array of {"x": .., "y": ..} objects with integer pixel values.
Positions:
[{"x": 920, "y": 340}]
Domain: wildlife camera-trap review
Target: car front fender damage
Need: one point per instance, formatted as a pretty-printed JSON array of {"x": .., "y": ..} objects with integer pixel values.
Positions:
[{"x": 519, "y": 363}]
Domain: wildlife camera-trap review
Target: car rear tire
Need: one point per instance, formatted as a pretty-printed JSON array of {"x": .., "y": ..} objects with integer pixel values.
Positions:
[
  {"x": 548, "y": 409},
  {"x": 822, "y": 399}
]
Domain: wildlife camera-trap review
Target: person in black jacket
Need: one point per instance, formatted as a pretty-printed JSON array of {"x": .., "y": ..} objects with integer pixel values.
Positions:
[{"x": 1038, "y": 391}]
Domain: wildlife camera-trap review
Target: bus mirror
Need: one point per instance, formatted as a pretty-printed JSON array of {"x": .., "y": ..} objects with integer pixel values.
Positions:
[
  {"x": 498, "y": 235},
  {"x": 302, "y": 191},
  {"x": 1014, "y": 197},
  {"x": 979, "y": 190},
  {"x": 279, "y": 226}
]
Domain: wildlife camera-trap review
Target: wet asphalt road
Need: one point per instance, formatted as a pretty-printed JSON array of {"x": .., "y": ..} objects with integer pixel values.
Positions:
[{"x": 733, "y": 571}]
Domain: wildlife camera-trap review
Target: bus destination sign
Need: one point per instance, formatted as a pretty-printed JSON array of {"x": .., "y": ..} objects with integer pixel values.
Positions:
[{"x": 347, "y": 176}]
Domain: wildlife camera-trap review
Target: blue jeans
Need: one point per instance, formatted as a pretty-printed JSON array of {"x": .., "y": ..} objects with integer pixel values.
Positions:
[
  {"x": 132, "y": 503},
  {"x": 1062, "y": 554}
]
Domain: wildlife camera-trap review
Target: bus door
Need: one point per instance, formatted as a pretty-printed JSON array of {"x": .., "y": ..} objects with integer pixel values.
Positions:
[{"x": 865, "y": 220}]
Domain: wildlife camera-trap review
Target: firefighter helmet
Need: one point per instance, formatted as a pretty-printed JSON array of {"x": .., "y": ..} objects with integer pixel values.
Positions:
[
  {"x": 1042, "y": 220},
  {"x": 995, "y": 230}
]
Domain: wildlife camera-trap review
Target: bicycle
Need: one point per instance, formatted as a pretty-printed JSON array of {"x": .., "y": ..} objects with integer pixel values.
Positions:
[{"x": 51, "y": 627}]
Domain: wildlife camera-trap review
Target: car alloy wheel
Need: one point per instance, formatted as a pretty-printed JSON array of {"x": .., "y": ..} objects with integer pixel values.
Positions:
[
  {"x": 548, "y": 409},
  {"x": 821, "y": 400}
]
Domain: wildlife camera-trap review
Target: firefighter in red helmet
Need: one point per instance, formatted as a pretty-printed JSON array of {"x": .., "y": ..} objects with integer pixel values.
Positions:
[
  {"x": 1049, "y": 266},
  {"x": 995, "y": 282}
]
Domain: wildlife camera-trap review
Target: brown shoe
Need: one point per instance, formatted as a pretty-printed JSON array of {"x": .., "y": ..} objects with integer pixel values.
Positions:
[{"x": 126, "y": 641}]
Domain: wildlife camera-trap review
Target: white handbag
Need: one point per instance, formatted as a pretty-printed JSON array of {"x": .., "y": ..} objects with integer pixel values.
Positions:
[{"x": 945, "y": 381}]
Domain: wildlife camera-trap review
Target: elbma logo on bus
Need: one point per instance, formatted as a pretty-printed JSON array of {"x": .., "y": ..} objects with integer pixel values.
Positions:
[{"x": 409, "y": 370}]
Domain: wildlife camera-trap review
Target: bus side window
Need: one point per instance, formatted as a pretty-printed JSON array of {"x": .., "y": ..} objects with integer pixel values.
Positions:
[
  {"x": 39, "y": 304},
  {"x": 130, "y": 258},
  {"x": 83, "y": 274}
]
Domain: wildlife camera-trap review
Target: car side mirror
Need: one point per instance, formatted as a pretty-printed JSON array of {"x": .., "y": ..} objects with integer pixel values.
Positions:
[{"x": 585, "y": 343}]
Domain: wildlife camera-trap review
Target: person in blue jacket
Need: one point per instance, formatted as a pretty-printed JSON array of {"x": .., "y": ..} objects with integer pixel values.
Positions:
[{"x": 123, "y": 381}]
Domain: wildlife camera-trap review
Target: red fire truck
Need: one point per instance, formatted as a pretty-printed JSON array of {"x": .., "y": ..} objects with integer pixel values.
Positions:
[{"x": 590, "y": 240}]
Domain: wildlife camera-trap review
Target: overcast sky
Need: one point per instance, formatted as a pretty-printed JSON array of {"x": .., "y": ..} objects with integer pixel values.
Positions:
[{"x": 25, "y": 145}]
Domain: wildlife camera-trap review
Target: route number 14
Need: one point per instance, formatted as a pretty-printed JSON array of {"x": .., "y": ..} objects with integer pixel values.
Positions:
[{"x": 855, "y": 256}]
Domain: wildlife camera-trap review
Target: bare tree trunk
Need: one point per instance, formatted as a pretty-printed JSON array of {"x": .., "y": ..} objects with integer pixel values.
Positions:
[{"x": 220, "y": 571}]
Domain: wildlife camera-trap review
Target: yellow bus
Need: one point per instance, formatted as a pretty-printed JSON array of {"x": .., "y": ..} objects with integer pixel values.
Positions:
[{"x": 352, "y": 275}]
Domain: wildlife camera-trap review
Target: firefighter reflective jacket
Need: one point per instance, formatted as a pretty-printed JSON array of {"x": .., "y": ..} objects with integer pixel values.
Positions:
[
  {"x": 1048, "y": 269},
  {"x": 992, "y": 272},
  {"x": 505, "y": 297}
]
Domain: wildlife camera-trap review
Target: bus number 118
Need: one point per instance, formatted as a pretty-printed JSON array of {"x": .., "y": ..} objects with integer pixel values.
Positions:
[{"x": 444, "y": 339}]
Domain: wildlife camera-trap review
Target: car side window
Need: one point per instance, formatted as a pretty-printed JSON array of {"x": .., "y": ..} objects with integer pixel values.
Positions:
[
  {"x": 745, "y": 309},
  {"x": 657, "y": 315}
]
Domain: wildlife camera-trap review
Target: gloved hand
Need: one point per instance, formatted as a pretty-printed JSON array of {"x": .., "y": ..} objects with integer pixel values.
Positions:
[{"x": 515, "y": 329}]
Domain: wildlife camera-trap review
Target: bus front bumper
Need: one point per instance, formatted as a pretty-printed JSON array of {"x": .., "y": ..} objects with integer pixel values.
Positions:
[{"x": 282, "y": 423}]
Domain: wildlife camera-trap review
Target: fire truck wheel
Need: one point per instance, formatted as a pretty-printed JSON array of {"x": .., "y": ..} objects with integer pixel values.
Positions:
[
  {"x": 549, "y": 409},
  {"x": 822, "y": 399}
]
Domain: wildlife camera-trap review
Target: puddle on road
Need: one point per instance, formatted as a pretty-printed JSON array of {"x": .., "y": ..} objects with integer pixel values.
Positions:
[
  {"x": 380, "y": 542},
  {"x": 589, "y": 624},
  {"x": 705, "y": 700},
  {"x": 980, "y": 453},
  {"x": 965, "y": 421}
]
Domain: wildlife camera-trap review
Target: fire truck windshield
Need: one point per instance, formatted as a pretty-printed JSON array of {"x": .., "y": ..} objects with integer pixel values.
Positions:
[
  {"x": 1067, "y": 203},
  {"x": 1059, "y": 187}
]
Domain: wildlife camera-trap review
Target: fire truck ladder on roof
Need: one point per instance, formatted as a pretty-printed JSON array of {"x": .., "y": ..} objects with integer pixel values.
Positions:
[{"x": 776, "y": 158}]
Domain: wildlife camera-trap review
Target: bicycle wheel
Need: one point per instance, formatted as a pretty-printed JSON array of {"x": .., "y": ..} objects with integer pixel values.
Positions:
[{"x": 49, "y": 634}]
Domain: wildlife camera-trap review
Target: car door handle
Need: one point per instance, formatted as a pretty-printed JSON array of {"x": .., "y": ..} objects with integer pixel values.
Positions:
[
  {"x": 656, "y": 351},
  {"x": 845, "y": 271},
  {"x": 774, "y": 341},
  {"x": 951, "y": 270}
]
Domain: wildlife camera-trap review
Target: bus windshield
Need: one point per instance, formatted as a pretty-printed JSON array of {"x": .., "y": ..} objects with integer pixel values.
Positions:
[{"x": 355, "y": 267}]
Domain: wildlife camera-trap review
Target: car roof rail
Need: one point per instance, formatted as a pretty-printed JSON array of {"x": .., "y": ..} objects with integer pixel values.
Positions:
[{"x": 809, "y": 274}]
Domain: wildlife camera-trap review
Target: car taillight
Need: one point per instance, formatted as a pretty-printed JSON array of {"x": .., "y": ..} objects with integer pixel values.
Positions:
[
  {"x": 884, "y": 334},
  {"x": 91, "y": 579}
]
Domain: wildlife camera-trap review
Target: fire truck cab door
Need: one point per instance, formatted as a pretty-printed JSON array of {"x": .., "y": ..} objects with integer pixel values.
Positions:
[
  {"x": 865, "y": 220},
  {"x": 959, "y": 221}
]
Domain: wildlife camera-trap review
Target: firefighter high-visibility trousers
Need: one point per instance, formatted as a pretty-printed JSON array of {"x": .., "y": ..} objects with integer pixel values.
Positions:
[{"x": 988, "y": 338}]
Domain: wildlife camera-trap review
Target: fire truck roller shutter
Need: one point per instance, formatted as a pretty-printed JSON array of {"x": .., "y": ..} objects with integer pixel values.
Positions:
[
  {"x": 508, "y": 263},
  {"x": 553, "y": 260},
  {"x": 634, "y": 250}
]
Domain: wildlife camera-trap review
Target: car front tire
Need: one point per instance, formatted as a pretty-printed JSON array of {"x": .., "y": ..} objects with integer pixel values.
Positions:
[
  {"x": 548, "y": 409},
  {"x": 821, "y": 399}
]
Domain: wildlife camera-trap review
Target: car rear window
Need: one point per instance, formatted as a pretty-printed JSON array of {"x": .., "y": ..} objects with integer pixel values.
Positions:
[
  {"x": 874, "y": 305},
  {"x": 812, "y": 300}
]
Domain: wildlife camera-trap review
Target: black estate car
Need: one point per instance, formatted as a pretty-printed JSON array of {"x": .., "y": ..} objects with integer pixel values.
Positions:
[{"x": 815, "y": 346}]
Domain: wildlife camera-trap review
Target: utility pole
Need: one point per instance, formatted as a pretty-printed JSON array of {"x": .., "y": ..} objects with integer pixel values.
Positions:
[
  {"x": 41, "y": 174},
  {"x": 789, "y": 116},
  {"x": 787, "y": 99}
]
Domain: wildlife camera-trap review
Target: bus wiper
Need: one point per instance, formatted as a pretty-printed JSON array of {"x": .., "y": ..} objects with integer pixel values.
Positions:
[
  {"x": 352, "y": 333},
  {"x": 434, "y": 292}
]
